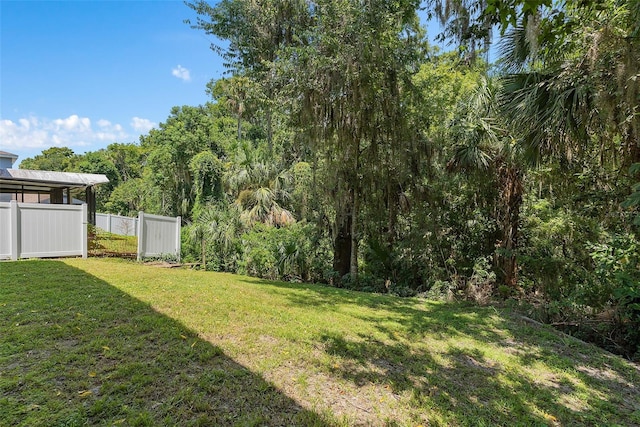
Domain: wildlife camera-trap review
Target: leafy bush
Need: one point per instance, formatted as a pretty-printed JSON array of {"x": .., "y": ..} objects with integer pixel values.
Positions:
[
  {"x": 258, "y": 254},
  {"x": 288, "y": 253},
  {"x": 617, "y": 266},
  {"x": 216, "y": 231}
]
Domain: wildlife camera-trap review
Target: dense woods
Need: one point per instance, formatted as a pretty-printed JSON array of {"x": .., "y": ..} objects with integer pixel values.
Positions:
[{"x": 342, "y": 148}]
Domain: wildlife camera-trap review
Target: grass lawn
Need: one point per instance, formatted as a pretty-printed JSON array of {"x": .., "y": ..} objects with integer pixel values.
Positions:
[
  {"x": 113, "y": 342},
  {"x": 102, "y": 243}
]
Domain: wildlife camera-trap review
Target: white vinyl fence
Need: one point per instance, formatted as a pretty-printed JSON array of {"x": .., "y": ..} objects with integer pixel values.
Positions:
[
  {"x": 39, "y": 231},
  {"x": 30, "y": 230},
  {"x": 158, "y": 236},
  {"x": 117, "y": 224}
]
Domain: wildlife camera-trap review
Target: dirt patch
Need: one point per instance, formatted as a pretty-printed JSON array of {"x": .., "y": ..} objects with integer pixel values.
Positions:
[
  {"x": 364, "y": 404},
  {"x": 66, "y": 344},
  {"x": 606, "y": 374}
]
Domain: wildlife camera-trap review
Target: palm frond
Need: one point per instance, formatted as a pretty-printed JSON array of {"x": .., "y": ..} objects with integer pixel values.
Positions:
[{"x": 514, "y": 50}]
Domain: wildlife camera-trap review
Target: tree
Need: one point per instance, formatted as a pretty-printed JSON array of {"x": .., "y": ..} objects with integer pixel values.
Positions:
[
  {"x": 258, "y": 188},
  {"x": 204, "y": 227},
  {"x": 489, "y": 146},
  {"x": 187, "y": 132},
  {"x": 132, "y": 196},
  {"x": 207, "y": 171},
  {"x": 127, "y": 158},
  {"x": 579, "y": 88},
  {"x": 345, "y": 63},
  {"x": 235, "y": 93},
  {"x": 52, "y": 159},
  {"x": 256, "y": 31},
  {"x": 97, "y": 162}
]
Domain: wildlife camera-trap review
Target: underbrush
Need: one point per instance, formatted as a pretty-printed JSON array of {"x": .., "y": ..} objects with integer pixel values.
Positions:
[
  {"x": 613, "y": 328},
  {"x": 599, "y": 305}
]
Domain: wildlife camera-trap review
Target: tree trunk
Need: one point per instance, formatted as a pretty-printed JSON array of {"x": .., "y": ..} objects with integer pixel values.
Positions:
[
  {"x": 269, "y": 131},
  {"x": 204, "y": 255},
  {"x": 342, "y": 243},
  {"x": 392, "y": 217},
  {"x": 354, "y": 191},
  {"x": 511, "y": 190},
  {"x": 353, "y": 263},
  {"x": 634, "y": 149}
]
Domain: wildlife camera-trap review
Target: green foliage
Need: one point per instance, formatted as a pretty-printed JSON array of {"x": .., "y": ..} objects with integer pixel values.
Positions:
[
  {"x": 634, "y": 198},
  {"x": 187, "y": 132},
  {"x": 128, "y": 159},
  {"x": 284, "y": 253},
  {"x": 52, "y": 159},
  {"x": 617, "y": 266},
  {"x": 207, "y": 172},
  {"x": 98, "y": 162},
  {"x": 259, "y": 253},
  {"x": 133, "y": 196},
  {"x": 214, "y": 237}
]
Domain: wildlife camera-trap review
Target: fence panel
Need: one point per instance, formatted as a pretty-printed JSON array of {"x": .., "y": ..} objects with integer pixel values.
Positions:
[
  {"x": 158, "y": 236},
  {"x": 40, "y": 231},
  {"x": 117, "y": 224},
  {"x": 5, "y": 231}
]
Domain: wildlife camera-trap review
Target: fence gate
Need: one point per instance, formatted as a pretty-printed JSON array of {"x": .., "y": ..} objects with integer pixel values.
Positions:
[
  {"x": 158, "y": 236},
  {"x": 148, "y": 236}
]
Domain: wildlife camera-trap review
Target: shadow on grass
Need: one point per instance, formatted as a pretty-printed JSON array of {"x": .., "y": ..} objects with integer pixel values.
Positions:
[
  {"x": 78, "y": 351},
  {"x": 539, "y": 378}
]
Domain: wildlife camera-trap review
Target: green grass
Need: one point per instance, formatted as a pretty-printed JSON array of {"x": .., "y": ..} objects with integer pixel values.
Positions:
[
  {"x": 102, "y": 243},
  {"x": 111, "y": 342}
]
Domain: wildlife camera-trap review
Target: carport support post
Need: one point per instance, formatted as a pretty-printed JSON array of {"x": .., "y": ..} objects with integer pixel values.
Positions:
[
  {"x": 140, "y": 234},
  {"x": 91, "y": 205},
  {"x": 15, "y": 229},
  {"x": 85, "y": 226}
]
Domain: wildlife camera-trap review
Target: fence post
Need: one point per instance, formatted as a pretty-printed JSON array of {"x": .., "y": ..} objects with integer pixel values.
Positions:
[
  {"x": 178, "y": 236},
  {"x": 84, "y": 224},
  {"x": 141, "y": 242},
  {"x": 109, "y": 223},
  {"x": 15, "y": 229}
]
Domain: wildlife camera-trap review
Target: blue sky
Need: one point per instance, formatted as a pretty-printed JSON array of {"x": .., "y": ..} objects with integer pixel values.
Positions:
[{"x": 84, "y": 74}]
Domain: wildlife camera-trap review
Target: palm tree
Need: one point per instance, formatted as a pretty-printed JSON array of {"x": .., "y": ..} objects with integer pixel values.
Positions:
[
  {"x": 569, "y": 88},
  {"x": 487, "y": 146},
  {"x": 218, "y": 225},
  {"x": 203, "y": 228},
  {"x": 259, "y": 187}
]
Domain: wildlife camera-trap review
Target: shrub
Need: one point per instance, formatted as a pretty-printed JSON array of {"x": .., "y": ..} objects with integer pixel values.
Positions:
[{"x": 292, "y": 253}]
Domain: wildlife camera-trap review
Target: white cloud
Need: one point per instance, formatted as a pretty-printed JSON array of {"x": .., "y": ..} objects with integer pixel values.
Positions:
[
  {"x": 109, "y": 131},
  {"x": 142, "y": 125},
  {"x": 73, "y": 123},
  {"x": 24, "y": 123},
  {"x": 24, "y": 134},
  {"x": 73, "y": 131},
  {"x": 181, "y": 73}
]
